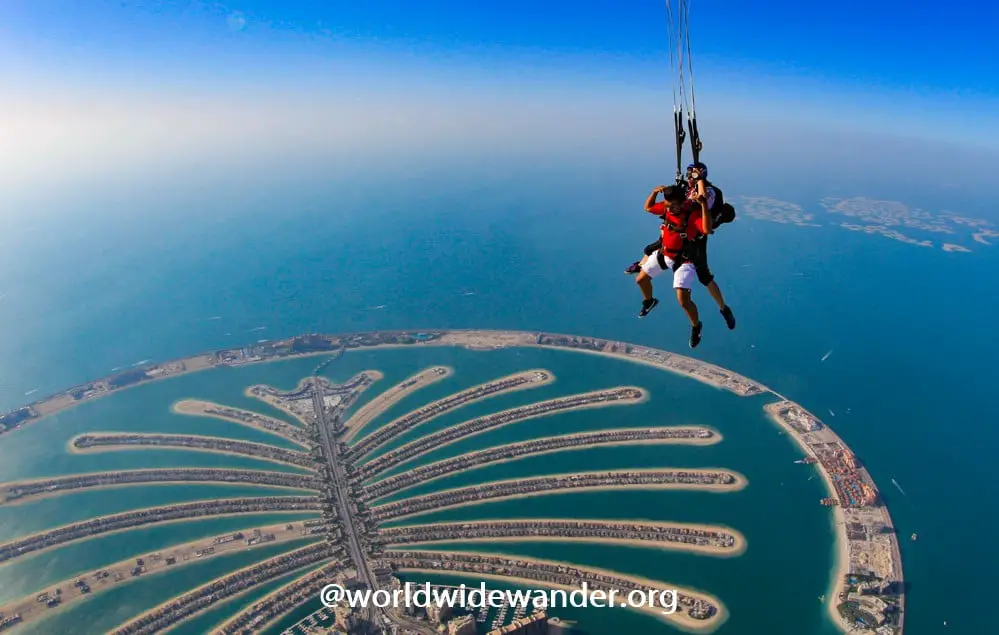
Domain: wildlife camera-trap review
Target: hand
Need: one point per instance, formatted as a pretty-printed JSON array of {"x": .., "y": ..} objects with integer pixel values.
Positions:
[{"x": 698, "y": 145}]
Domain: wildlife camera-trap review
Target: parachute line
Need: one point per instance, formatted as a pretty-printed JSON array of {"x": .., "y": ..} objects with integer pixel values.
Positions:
[{"x": 684, "y": 103}]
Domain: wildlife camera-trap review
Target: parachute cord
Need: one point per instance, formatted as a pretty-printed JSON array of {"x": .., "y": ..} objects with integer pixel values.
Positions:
[
  {"x": 676, "y": 71},
  {"x": 695, "y": 138}
]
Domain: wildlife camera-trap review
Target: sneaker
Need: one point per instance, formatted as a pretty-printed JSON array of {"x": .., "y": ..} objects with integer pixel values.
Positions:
[
  {"x": 695, "y": 335},
  {"x": 729, "y": 318},
  {"x": 634, "y": 268},
  {"x": 647, "y": 305}
]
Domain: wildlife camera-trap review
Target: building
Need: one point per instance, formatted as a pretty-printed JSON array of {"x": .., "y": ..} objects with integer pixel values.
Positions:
[
  {"x": 462, "y": 625},
  {"x": 535, "y": 624},
  {"x": 438, "y": 614}
]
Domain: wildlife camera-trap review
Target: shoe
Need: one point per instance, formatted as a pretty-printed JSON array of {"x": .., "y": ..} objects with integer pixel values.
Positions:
[
  {"x": 729, "y": 318},
  {"x": 634, "y": 268},
  {"x": 695, "y": 335},
  {"x": 647, "y": 305}
]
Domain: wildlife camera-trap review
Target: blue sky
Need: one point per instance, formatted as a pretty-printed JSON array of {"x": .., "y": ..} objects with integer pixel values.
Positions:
[
  {"x": 98, "y": 83},
  {"x": 876, "y": 43}
]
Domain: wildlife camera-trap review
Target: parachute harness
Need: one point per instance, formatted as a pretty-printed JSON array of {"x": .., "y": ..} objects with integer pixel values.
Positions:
[{"x": 683, "y": 98}]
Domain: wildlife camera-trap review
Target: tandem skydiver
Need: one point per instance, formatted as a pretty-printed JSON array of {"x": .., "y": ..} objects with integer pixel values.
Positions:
[
  {"x": 683, "y": 221},
  {"x": 697, "y": 185}
]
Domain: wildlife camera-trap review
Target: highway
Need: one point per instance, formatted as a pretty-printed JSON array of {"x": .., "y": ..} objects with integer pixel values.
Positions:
[{"x": 343, "y": 506}]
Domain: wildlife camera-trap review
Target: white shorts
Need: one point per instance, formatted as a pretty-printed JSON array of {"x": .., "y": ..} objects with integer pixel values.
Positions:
[{"x": 683, "y": 277}]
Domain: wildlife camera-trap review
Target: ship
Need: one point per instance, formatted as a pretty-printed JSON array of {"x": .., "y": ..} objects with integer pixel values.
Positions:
[{"x": 914, "y": 536}]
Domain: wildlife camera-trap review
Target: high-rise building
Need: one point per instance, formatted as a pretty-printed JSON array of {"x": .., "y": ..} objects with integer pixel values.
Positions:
[{"x": 438, "y": 614}]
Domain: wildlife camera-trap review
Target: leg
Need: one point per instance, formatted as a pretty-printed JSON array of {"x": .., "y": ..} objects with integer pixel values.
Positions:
[
  {"x": 644, "y": 282},
  {"x": 699, "y": 255},
  {"x": 688, "y": 306},
  {"x": 652, "y": 268},
  {"x": 683, "y": 279},
  {"x": 636, "y": 266}
]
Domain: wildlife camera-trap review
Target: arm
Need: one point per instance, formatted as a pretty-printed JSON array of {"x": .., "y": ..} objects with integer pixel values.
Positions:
[
  {"x": 702, "y": 189},
  {"x": 651, "y": 201},
  {"x": 705, "y": 215}
]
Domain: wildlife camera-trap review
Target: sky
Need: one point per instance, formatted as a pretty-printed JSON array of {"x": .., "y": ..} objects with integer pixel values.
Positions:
[{"x": 100, "y": 88}]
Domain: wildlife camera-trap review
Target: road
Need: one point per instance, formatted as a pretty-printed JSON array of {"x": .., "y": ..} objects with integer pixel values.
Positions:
[{"x": 343, "y": 507}]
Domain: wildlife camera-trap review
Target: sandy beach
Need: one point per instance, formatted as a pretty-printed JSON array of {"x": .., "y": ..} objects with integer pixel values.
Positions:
[
  {"x": 740, "y": 483},
  {"x": 715, "y": 438},
  {"x": 738, "y": 549},
  {"x": 118, "y": 447},
  {"x": 531, "y": 384},
  {"x": 154, "y": 562},
  {"x": 385, "y": 400},
  {"x": 313, "y": 512},
  {"x": 842, "y": 565},
  {"x": 227, "y": 599},
  {"x": 199, "y": 408},
  {"x": 6, "y": 487},
  {"x": 589, "y": 406},
  {"x": 678, "y": 620}
]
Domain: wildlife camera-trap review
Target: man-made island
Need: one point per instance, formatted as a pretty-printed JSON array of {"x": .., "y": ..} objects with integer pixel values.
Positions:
[{"x": 350, "y": 481}]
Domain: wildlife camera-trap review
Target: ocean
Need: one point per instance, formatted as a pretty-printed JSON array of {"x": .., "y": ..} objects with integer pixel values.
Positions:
[{"x": 908, "y": 377}]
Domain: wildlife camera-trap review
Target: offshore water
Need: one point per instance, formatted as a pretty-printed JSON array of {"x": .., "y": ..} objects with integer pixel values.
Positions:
[{"x": 909, "y": 379}]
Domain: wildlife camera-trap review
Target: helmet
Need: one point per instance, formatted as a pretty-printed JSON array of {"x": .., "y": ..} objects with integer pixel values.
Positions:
[{"x": 702, "y": 170}]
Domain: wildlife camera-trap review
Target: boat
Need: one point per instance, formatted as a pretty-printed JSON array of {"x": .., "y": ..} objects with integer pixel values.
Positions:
[{"x": 914, "y": 536}]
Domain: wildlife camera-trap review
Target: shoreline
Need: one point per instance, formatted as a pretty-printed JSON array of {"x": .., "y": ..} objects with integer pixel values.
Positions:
[
  {"x": 315, "y": 512},
  {"x": 741, "y": 544},
  {"x": 31, "y": 610},
  {"x": 120, "y": 447},
  {"x": 196, "y": 408},
  {"x": 550, "y": 379},
  {"x": 740, "y": 483},
  {"x": 234, "y": 596},
  {"x": 271, "y": 351},
  {"x": 716, "y": 438},
  {"x": 589, "y": 406},
  {"x": 46, "y": 495},
  {"x": 841, "y": 566},
  {"x": 684, "y": 623},
  {"x": 383, "y": 401}
]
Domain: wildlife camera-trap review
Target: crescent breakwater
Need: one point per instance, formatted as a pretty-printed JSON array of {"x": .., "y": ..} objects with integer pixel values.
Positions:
[{"x": 868, "y": 585}]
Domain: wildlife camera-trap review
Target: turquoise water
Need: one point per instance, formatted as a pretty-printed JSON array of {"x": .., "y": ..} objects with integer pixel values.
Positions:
[{"x": 910, "y": 377}]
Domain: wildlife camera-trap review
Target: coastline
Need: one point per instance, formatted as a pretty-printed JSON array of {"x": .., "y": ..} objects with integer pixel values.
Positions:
[
  {"x": 121, "y": 447},
  {"x": 740, "y": 483},
  {"x": 549, "y": 379},
  {"x": 197, "y": 408},
  {"x": 475, "y": 339},
  {"x": 714, "y": 439},
  {"x": 31, "y": 610},
  {"x": 315, "y": 514},
  {"x": 740, "y": 547},
  {"x": 841, "y": 566},
  {"x": 589, "y": 406},
  {"x": 683, "y": 623},
  {"x": 385, "y": 400}
]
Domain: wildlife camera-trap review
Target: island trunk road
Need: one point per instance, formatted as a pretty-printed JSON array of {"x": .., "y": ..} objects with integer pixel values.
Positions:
[{"x": 342, "y": 490}]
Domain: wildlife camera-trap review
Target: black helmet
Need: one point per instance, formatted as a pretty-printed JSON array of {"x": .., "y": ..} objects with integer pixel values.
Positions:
[{"x": 674, "y": 193}]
